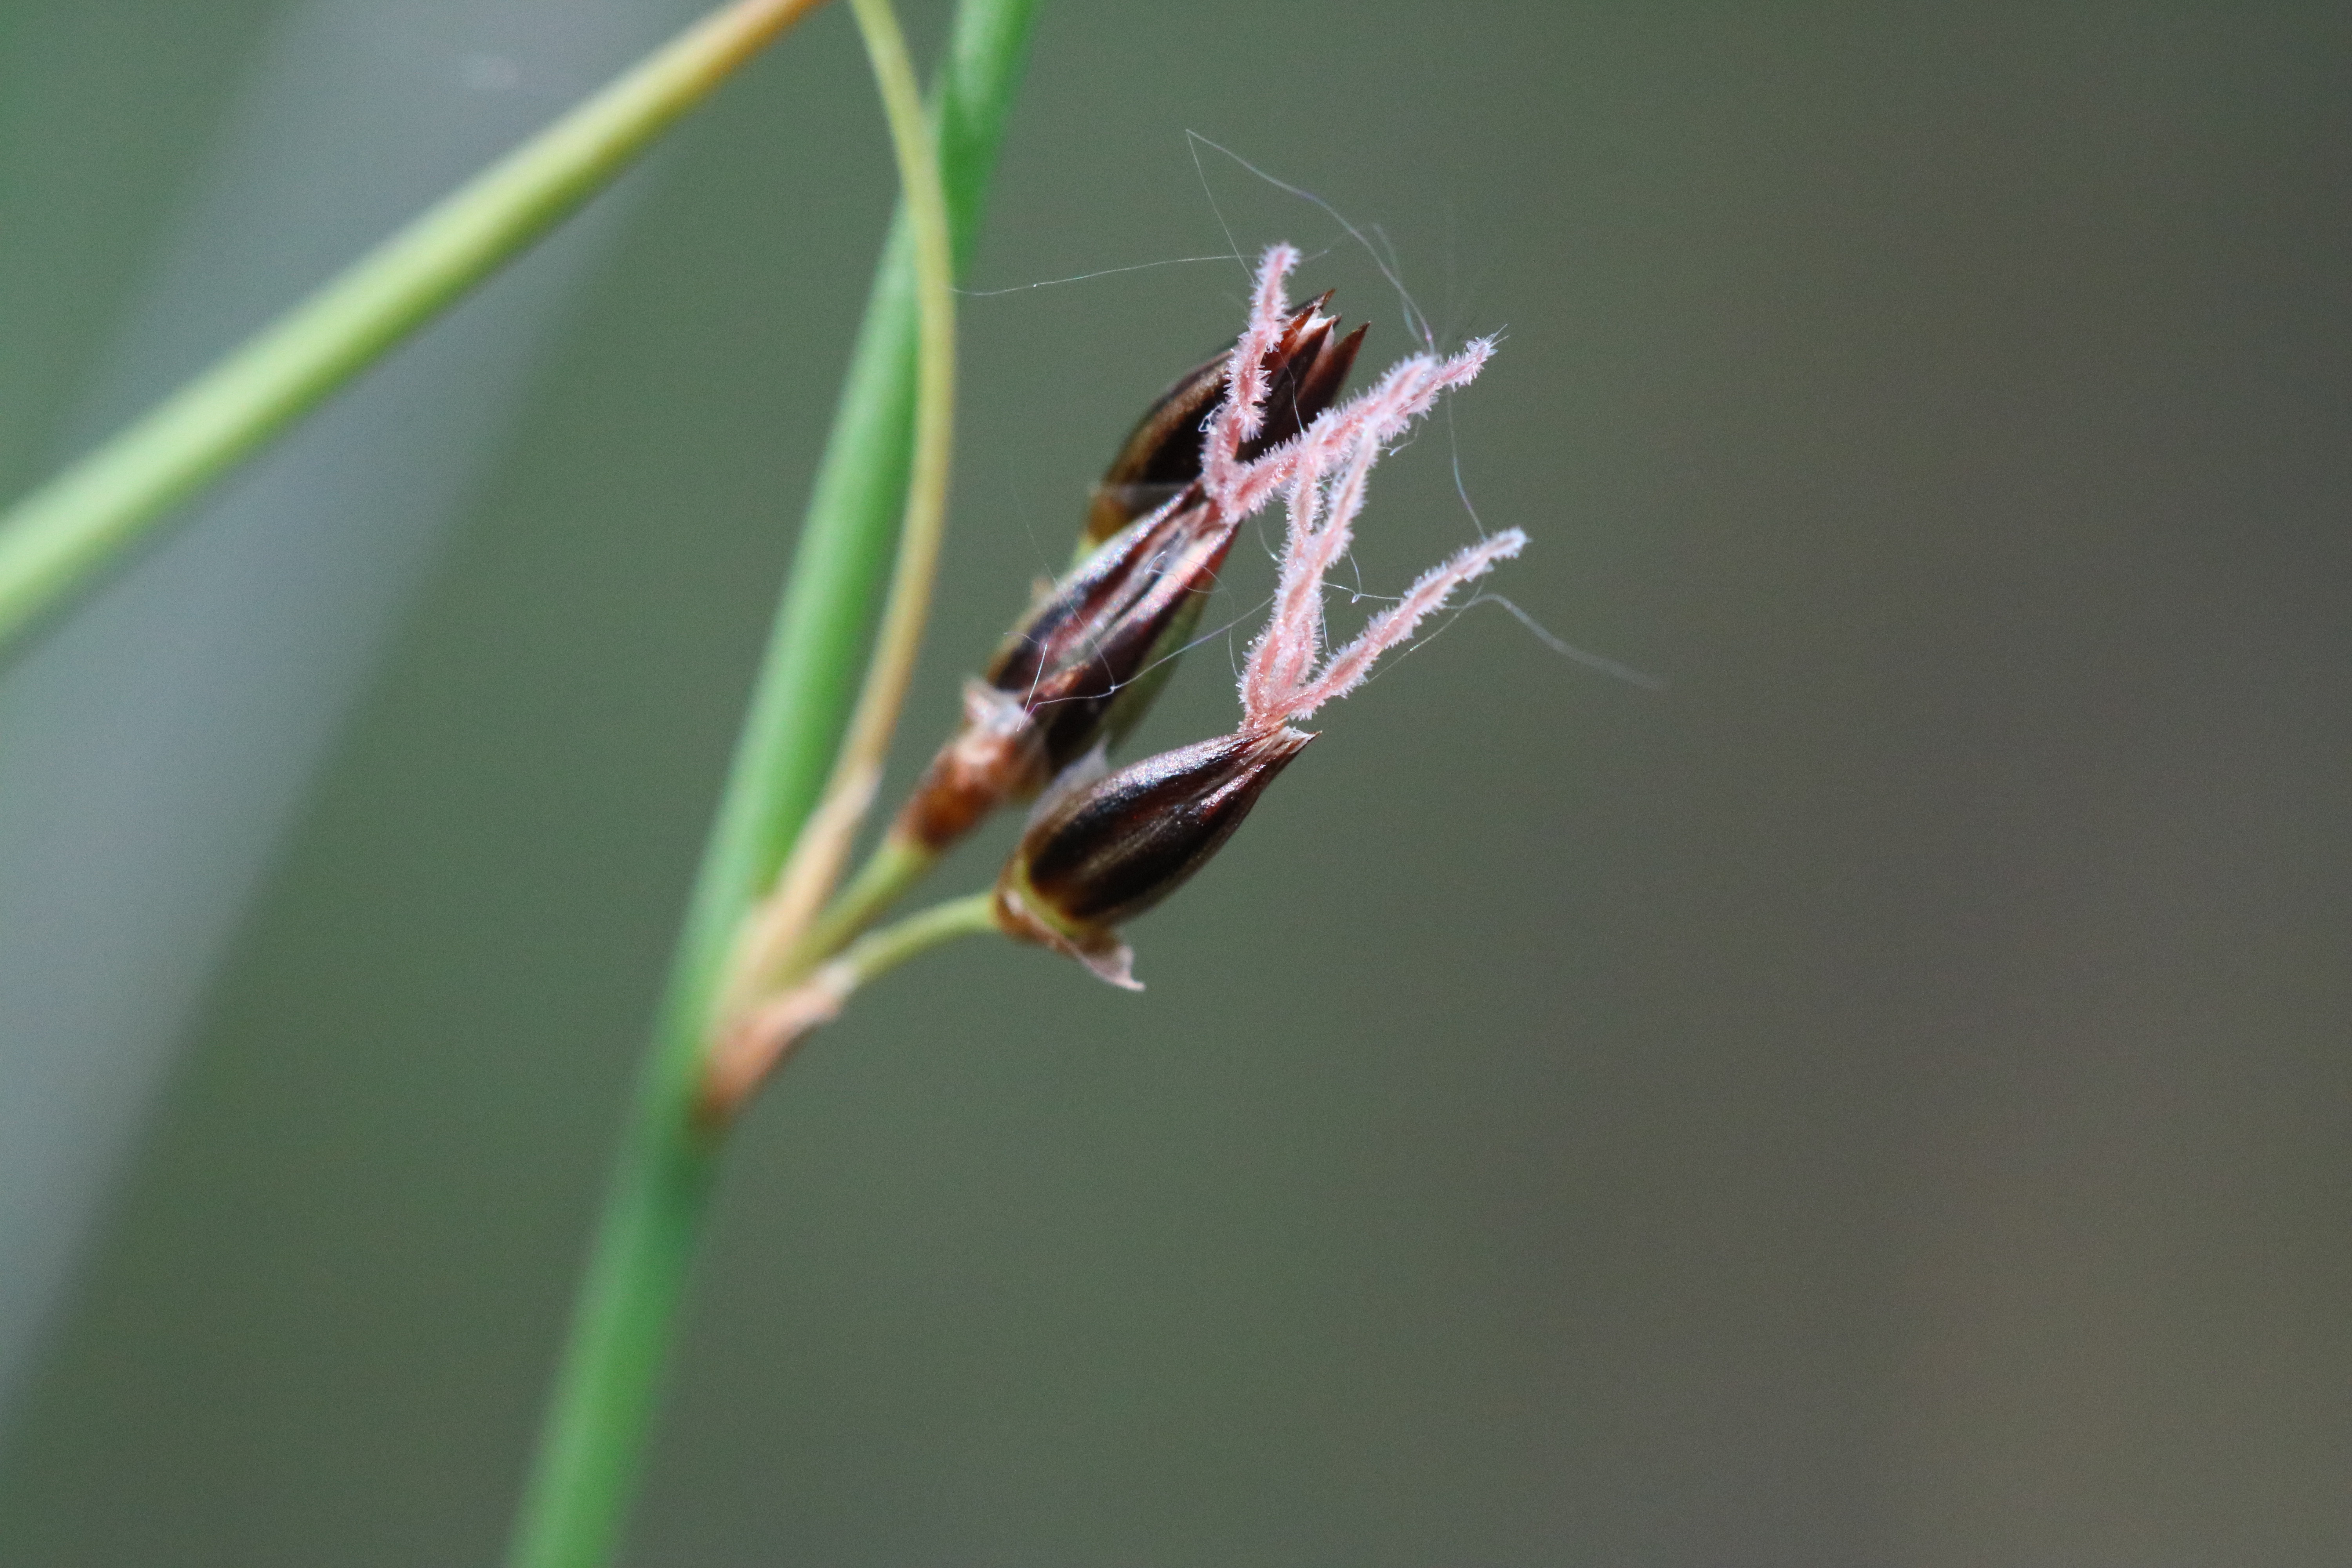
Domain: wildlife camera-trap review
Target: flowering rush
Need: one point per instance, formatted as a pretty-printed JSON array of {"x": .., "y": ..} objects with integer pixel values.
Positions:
[
  {"x": 1229, "y": 440},
  {"x": 1085, "y": 662},
  {"x": 1102, "y": 847}
]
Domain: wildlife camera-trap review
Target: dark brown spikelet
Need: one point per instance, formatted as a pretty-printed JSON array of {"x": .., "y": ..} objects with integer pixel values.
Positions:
[
  {"x": 1162, "y": 455},
  {"x": 1087, "y": 660},
  {"x": 1082, "y": 662},
  {"x": 1080, "y": 669},
  {"x": 1104, "y": 852}
]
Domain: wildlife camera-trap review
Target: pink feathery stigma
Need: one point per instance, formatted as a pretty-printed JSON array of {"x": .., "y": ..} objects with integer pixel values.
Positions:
[
  {"x": 1395, "y": 624},
  {"x": 1323, "y": 511},
  {"x": 1243, "y": 412},
  {"x": 1322, "y": 527},
  {"x": 1326, "y": 471},
  {"x": 1401, "y": 396},
  {"x": 1284, "y": 652}
]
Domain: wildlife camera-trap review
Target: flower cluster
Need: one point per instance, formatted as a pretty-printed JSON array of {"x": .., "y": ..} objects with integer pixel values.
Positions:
[
  {"x": 1090, "y": 657},
  {"x": 1259, "y": 423},
  {"x": 1102, "y": 847}
]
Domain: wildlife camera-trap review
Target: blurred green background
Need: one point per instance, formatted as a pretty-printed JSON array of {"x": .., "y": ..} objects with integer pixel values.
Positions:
[{"x": 1883, "y": 1099}]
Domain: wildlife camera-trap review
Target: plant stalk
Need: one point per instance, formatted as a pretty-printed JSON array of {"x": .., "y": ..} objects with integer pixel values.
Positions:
[
  {"x": 625, "y": 1318},
  {"x": 896, "y": 863},
  {"x": 875, "y": 954},
  {"x": 766, "y": 1035},
  {"x": 780, "y": 926}
]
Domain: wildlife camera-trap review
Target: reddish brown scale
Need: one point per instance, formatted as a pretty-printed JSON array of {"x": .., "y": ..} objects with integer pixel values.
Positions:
[
  {"x": 994, "y": 756},
  {"x": 1162, "y": 454},
  {"x": 1078, "y": 670},
  {"x": 1075, "y": 682},
  {"x": 1081, "y": 605}
]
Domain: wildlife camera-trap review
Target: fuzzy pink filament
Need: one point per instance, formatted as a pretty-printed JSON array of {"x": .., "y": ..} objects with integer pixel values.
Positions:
[
  {"x": 1324, "y": 471},
  {"x": 1243, "y": 412}
]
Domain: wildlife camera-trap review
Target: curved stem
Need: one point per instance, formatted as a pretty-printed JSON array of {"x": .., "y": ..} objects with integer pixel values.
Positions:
[
  {"x": 763, "y": 1038},
  {"x": 780, "y": 928},
  {"x": 56, "y": 539},
  {"x": 625, "y": 1317},
  {"x": 900, "y": 636},
  {"x": 878, "y": 953},
  {"x": 896, "y": 865}
]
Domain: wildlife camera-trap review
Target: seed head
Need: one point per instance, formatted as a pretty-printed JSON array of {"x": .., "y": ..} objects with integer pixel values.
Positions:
[
  {"x": 1102, "y": 849},
  {"x": 1090, "y": 656},
  {"x": 1102, "y": 852}
]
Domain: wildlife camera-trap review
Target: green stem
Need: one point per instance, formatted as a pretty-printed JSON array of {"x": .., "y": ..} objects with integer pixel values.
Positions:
[
  {"x": 900, "y": 636},
  {"x": 758, "y": 1043},
  {"x": 972, "y": 915},
  {"x": 896, "y": 865},
  {"x": 624, "y": 1319},
  {"x": 57, "y": 538},
  {"x": 809, "y": 877}
]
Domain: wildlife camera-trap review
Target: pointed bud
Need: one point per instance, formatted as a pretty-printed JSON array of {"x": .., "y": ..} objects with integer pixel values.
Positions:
[
  {"x": 1307, "y": 366},
  {"x": 1079, "y": 671},
  {"x": 1097, "y": 854},
  {"x": 1087, "y": 660}
]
